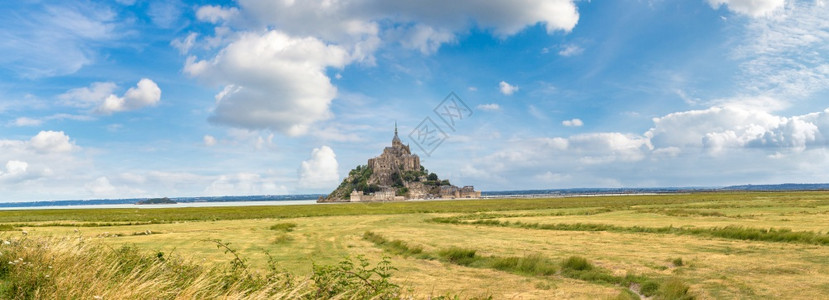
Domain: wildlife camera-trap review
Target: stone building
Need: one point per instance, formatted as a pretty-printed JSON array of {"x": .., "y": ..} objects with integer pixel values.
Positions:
[
  {"x": 395, "y": 175},
  {"x": 395, "y": 159}
]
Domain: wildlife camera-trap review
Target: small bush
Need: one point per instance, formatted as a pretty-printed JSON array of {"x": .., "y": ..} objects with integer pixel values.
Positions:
[
  {"x": 577, "y": 263},
  {"x": 286, "y": 227},
  {"x": 674, "y": 289},
  {"x": 649, "y": 288},
  {"x": 459, "y": 256},
  {"x": 677, "y": 262}
]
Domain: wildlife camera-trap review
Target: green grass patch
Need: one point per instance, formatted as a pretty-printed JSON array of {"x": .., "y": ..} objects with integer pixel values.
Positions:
[
  {"x": 7, "y": 227},
  {"x": 677, "y": 262},
  {"x": 576, "y": 263},
  {"x": 532, "y": 264},
  {"x": 458, "y": 256},
  {"x": 394, "y": 246},
  {"x": 284, "y": 227},
  {"x": 674, "y": 289}
]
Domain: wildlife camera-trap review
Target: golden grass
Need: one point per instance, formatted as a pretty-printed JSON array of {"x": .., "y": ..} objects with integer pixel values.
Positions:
[{"x": 712, "y": 267}]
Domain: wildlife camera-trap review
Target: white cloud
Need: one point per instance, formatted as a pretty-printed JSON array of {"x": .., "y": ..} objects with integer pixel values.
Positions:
[
  {"x": 785, "y": 56},
  {"x": 145, "y": 93},
  {"x": 216, "y": 14},
  {"x": 15, "y": 170},
  {"x": 572, "y": 123},
  {"x": 506, "y": 88},
  {"x": 277, "y": 79},
  {"x": 489, "y": 107},
  {"x": 209, "y": 140},
  {"x": 272, "y": 81},
  {"x": 570, "y": 50},
  {"x": 101, "y": 96},
  {"x": 24, "y": 121},
  {"x": 424, "y": 38},
  {"x": 718, "y": 129},
  {"x": 244, "y": 184},
  {"x": 753, "y": 8},
  {"x": 184, "y": 45},
  {"x": 51, "y": 142},
  {"x": 716, "y": 146},
  {"x": 101, "y": 187},
  {"x": 320, "y": 171},
  {"x": 88, "y": 96}
]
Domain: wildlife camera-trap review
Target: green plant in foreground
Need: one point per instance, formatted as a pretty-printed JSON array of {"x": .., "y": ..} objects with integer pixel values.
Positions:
[
  {"x": 355, "y": 281},
  {"x": 68, "y": 268}
]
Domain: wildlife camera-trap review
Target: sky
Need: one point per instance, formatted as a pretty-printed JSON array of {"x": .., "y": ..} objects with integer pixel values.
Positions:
[{"x": 151, "y": 98}]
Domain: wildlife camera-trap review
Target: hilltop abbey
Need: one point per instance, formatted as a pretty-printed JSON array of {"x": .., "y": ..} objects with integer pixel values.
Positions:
[{"x": 395, "y": 175}]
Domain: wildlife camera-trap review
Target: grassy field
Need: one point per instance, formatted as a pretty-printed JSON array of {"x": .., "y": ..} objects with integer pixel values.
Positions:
[{"x": 704, "y": 245}]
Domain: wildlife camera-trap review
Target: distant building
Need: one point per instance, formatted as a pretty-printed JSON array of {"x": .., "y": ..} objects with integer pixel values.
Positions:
[{"x": 395, "y": 175}]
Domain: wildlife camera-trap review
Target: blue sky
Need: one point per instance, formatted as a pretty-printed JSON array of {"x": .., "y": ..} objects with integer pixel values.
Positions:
[{"x": 143, "y": 98}]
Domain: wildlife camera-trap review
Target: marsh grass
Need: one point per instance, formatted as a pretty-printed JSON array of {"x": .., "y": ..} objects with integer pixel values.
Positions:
[
  {"x": 73, "y": 268},
  {"x": 784, "y": 235}
]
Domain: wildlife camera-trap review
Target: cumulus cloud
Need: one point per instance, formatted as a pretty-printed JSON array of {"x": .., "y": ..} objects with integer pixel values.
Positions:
[
  {"x": 272, "y": 81},
  {"x": 506, "y": 88},
  {"x": 719, "y": 145},
  {"x": 51, "y": 142},
  {"x": 100, "y": 95},
  {"x": 753, "y": 8},
  {"x": 718, "y": 129},
  {"x": 14, "y": 169},
  {"x": 43, "y": 164},
  {"x": 145, "y": 93},
  {"x": 88, "y": 96},
  {"x": 320, "y": 171},
  {"x": 277, "y": 79},
  {"x": 572, "y": 123},
  {"x": 489, "y": 107}
]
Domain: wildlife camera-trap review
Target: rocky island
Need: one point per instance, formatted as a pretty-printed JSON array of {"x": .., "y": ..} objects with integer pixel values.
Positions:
[
  {"x": 164, "y": 200},
  {"x": 395, "y": 175}
]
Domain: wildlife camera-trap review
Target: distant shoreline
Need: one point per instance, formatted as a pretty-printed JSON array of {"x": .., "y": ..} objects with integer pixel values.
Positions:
[{"x": 300, "y": 199}]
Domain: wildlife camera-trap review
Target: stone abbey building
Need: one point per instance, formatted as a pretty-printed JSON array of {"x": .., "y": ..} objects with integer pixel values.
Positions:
[{"x": 395, "y": 175}]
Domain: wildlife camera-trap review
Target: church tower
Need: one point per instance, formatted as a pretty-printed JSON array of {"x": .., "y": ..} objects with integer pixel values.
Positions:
[{"x": 395, "y": 142}]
